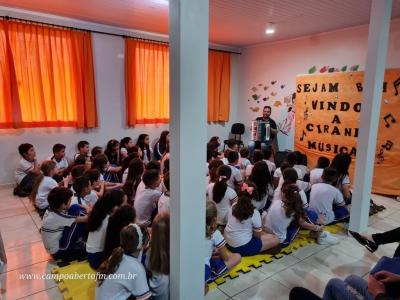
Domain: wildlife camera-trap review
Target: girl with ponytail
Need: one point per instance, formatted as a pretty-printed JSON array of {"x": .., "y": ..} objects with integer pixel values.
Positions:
[
  {"x": 243, "y": 231},
  {"x": 122, "y": 275},
  {"x": 42, "y": 186},
  {"x": 286, "y": 215},
  {"x": 222, "y": 194},
  {"x": 261, "y": 177}
]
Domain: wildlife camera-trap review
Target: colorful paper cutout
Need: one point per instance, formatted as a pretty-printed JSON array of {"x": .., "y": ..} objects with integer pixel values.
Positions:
[
  {"x": 283, "y": 86},
  {"x": 312, "y": 70},
  {"x": 273, "y": 82},
  {"x": 273, "y": 94},
  {"x": 323, "y": 69},
  {"x": 354, "y": 68},
  {"x": 254, "y": 109},
  {"x": 277, "y": 103},
  {"x": 266, "y": 87},
  {"x": 255, "y": 96},
  {"x": 344, "y": 69},
  {"x": 254, "y": 89}
]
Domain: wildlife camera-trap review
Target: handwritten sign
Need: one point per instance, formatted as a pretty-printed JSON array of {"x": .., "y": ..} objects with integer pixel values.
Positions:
[{"x": 328, "y": 110}]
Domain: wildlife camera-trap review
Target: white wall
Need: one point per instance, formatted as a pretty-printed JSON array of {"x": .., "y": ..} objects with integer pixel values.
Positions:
[
  {"x": 282, "y": 61},
  {"x": 110, "y": 96}
]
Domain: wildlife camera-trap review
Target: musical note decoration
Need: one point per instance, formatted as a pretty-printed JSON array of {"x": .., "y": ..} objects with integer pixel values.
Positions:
[
  {"x": 385, "y": 147},
  {"x": 273, "y": 94},
  {"x": 312, "y": 70},
  {"x": 273, "y": 82},
  {"x": 303, "y": 134},
  {"x": 388, "y": 145},
  {"x": 396, "y": 84},
  {"x": 391, "y": 120}
]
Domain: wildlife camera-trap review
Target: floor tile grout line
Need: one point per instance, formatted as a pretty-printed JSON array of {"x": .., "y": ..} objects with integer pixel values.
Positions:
[
  {"x": 30, "y": 215},
  {"x": 30, "y": 265}
]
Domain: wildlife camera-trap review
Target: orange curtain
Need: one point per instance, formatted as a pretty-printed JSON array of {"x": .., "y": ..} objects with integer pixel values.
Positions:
[
  {"x": 53, "y": 69},
  {"x": 219, "y": 74},
  {"x": 146, "y": 82}
]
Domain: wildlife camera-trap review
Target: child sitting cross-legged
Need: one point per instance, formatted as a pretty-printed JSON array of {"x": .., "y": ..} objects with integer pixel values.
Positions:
[
  {"x": 64, "y": 226},
  {"x": 83, "y": 195},
  {"x": 216, "y": 265},
  {"x": 146, "y": 200},
  {"x": 123, "y": 262},
  {"x": 243, "y": 232}
]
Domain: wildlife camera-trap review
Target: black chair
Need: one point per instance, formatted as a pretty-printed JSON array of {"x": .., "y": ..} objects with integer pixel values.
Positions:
[{"x": 237, "y": 130}]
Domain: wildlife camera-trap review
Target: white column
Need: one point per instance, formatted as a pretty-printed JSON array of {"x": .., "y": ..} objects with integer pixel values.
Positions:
[
  {"x": 370, "y": 112},
  {"x": 188, "y": 33}
]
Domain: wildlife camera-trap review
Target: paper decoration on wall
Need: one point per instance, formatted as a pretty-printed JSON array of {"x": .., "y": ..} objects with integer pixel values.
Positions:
[
  {"x": 386, "y": 101},
  {"x": 266, "y": 87},
  {"x": 277, "y": 103},
  {"x": 331, "y": 70},
  {"x": 254, "y": 109},
  {"x": 343, "y": 69},
  {"x": 273, "y": 94},
  {"x": 312, "y": 70},
  {"x": 283, "y": 86},
  {"x": 265, "y": 98},
  {"x": 354, "y": 68},
  {"x": 254, "y": 89},
  {"x": 273, "y": 82},
  {"x": 323, "y": 69},
  {"x": 260, "y": 84},
  {"x": 255, "y": 96}
]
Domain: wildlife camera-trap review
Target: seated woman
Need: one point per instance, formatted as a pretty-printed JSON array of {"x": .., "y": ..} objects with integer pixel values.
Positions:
[{"x": 243, "y": 231}]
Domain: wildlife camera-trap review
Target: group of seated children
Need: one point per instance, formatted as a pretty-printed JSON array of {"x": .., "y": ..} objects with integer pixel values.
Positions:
[{"x": 103, "y": 205}]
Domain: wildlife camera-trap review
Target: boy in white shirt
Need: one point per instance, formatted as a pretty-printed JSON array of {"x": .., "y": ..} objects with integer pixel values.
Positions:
[
  {"x": 327, "y": 200},
  {"x": 236, "y": 177},
  {"x": 83, "y": 149},
  {"x": 146, "y": 200},
  {"x": 83, "y": 194},
  {"x": 316, "y": 174},
  {"x": 63, "y": 226},
  {"x": 268, "y": 158},
  {"x": 257, "y": 156},
  {"x": 27, "y": 170},
  {"x": 61, "y": 162}
]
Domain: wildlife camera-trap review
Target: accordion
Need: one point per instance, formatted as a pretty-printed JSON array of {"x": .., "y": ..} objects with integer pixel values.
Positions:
[{"x": 260, "y": 130}]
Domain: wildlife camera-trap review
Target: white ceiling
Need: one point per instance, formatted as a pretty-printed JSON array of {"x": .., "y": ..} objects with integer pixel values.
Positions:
[{"x": 232, "y": 22}]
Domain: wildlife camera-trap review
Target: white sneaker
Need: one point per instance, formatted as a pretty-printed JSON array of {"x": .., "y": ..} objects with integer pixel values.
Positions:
[{"x": 327, "y": 239}]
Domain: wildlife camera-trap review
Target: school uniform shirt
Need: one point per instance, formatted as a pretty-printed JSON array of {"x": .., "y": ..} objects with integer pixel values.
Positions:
[
  {"x": 96, "y": 239},
  {"x": 216, "y": 241},
  {"x": 23, "y": 168},
  {"x": 322, "y": 198},
  {"x": 261, "y": 204},
  {"x": 303, "y": 170},
  {"x": 235, "y": 177},
  {"x": 248, "y": 170},
  {"x": 158, "y": 283},
  {"x": 224, "y": 205},
  {"x": 52, "y": 229},
  {"x": 141, "y": 187},
  {"x": 117, "y": 287},
  {"x": 302, "y": 185},
  {"x": 316, "y": 175},
  {"x": 88, "y": 200},
  {"x": 123, "y": 151},
  {"x": 44, "y": 189},
  {"x": 343, "y": 180},
  {"x": 62, "y": 164},
  {"x": 225, "y": 161},
  {"x": 244, "y": 162},
  {"x": 163, "y": 203},
  {"x": 77, "y": 154},
  {"x": 278, "y": 173},
  {"x": 240, "y": 233},
  {"x": 271, "y": 165},
  {"x": 145, "y": 202},
  {"x": 275, "y": 220}
]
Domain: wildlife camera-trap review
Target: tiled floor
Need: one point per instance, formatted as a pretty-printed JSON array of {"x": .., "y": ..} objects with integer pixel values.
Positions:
[{"x": 311, "y": 267}]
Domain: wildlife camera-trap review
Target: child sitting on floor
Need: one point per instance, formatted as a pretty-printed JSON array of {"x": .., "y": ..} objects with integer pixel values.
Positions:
[
  {"x": 286, "y": 215},
  {"x": 64, "y": 226},
  {"x": 243, "y": 231},
  {"x": 44, "y": 183},
  {"x": 124, "y": 261},
  {"x": 134, "y": 178},
  {"x": 222, "y": 194},
  {"x": 327, "y": 200},
  {"x": 83, "y": 194},
  {"x": 236, "y": 179},
  {"x": 143, "y": 143},
  {"x": 244, "y": 158},
  {"x": 316, "y": 174},
  {"x": 98, "y": 222},
  {"x": 146, "y": 200},
  {"x": 97, "y": 186},
  {"x": 262, "y": 179},
  {"x": 83, "y": 149},
  {"x": 125, "y": 144},
  {"x": 61, "y": 162},
  {"x": 27, "y": 170},
  {"x": 257, "y": 156},
  {"x": 216, "y": 265},
  {"x": 164, "y": 201}
]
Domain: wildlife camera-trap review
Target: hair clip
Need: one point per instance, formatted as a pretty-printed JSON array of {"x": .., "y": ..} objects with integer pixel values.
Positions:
[
  {"x": 247, "y": 188},
  {"x": 140, "y": 234}
]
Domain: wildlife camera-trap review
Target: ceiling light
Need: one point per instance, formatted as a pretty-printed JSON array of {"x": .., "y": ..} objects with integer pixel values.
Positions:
[
  {"x": 270, "y": 29},
  {"x": 162, "y": 2}
]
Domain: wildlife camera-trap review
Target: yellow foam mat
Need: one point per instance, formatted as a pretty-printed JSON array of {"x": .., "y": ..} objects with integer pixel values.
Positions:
[{"x": 84, "y": 289}]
